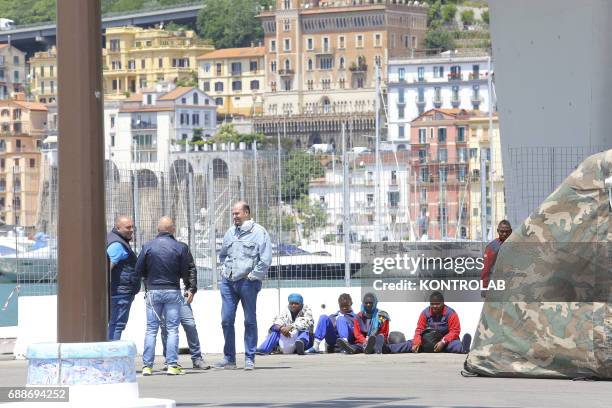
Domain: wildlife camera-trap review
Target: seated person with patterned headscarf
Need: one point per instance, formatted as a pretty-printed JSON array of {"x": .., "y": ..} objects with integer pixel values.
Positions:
[
  {"x": 371, "y": 329},
  {"x": 291, "y": 331},
  {"x": 339, "y": 325}
]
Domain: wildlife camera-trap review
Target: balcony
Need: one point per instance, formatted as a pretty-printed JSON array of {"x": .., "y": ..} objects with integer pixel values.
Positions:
[
  {"x": 236, "y": 72},
  {"x": 455, "y": 76},
  {"x": 401, "y": 102},
  {"x": 420, "y": 101},
  {"x": 437, "y": 102},
  {"x": 476, "y": 99},
  {"x": 358, "y": 69},
  {"x": 324, "y": 51},
  {"x": 420, "y": 80},
  {"x": 143, "y": 125},
  {"x": 455, "y": 101},
  {"x": 286, "y": 72},
  {"x": 476, "y": 76}
]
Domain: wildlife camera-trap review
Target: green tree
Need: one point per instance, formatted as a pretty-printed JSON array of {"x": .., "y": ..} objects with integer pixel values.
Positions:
[
  {"x": 312, "y": 215},
  {"x": 297, "y": 172},
  {"x": 448, "y": 13},
  {"x": 227, "y": 133},
  {"x": 230, "y": 23},
  {"x": 439, "y": 39},
  {"x": 434, "y": 15},
  {"x": 467, "y": 17},
  {"x": 191, "y": 80},
  {"x": 485, "y": 17}
]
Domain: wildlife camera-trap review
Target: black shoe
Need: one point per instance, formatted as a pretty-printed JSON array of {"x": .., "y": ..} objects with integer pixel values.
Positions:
[
  {"x": 344, "y": 346},
  {"x": 379, "y": 344},
  {"x": 466, "y": 342},
  {"x": 370, "y": 345},
  {"x": 299, "y": 347}
]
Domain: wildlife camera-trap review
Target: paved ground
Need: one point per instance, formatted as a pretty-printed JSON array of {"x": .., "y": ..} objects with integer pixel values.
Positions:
[{"x": 360, "y": 381}]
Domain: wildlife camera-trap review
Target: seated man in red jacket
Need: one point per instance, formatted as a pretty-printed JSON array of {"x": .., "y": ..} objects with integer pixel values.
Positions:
[
  {"x": 437, "y": 330},
  {"x": 371, "y": 329}
]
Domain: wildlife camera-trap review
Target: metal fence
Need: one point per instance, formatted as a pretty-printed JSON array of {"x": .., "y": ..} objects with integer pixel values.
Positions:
[{"x": 318, "y": 207}]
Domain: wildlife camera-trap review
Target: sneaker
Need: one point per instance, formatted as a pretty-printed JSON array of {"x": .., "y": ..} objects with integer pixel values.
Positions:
[
  {"x": 299, "y": 348},
  {"x": 249, "y": 365},
  {"x": 165, "y": 367},
  {"x": 200, "y": 364},
  {"x": 312, "y": 350},
  {"x": 466, "y": 342},
  {"x": 344, "y": 346},
  {"x": 224, "y": 365},
  {"x": 175, "y": 370},
  {"x": 370, "y": 345},
  {"x": 147, "y": 371}
]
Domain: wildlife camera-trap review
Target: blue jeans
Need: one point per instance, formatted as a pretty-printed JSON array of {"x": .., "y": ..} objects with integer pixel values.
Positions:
[
  {"x": 162, "y": 304},
  {"x": 119, "y": 314},
  {"x": 244, "y": 291},
  {"x": 326, "y": 329},
  {"x": 191, "y": 332}
]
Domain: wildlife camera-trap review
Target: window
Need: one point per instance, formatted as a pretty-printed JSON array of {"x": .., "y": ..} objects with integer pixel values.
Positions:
[
  {"x": 325, "y": 44},
  {"x": 142, "y": 64},
  {"x": 287, "y": 84},
  {"x": 112, "y": 140},
  {"x": 32, "y": 163},
  {"x": 473, "y": 153},
  {"x": 52, "y": 86},
  {"x": 423, "y": 195},
  {"x": 401, "y": 74},
  {"x": 273, "y": 86},
  {"x": 310, "y": 84},
  {"x": 475, "y": 71},
  {"x": 414, "y": 41},
  {"x": 112, "y": 121},
  {"x": 132, "y": 64},
  {"x": 16, "y": 59},
  {"x": 401, "y": 132},
  {"x": 287, "y": 65},
  {"x": 422, "y": 136},
  {"x": 443, "y": 173},
  {"x": 360, "y": 82},
  {"x": 424, "y": 174},
  {"x": 442, "y": 155},
  {"x": 309, "y": 44},
  {"x": 441, "y": 135},
  {"x": 377, "y": 40},
  {"x": 326, "y": 63},
  {"x": 160, "y": 62},
  {"x": 461, "y": 175},
  {"x": 461, "y": 155},
  {"x": 149, "y": 99},
  {"x": 272, "y": 45},
  {"x": 115, "y": 45},
  {"x": 461, "y": 134},
  {"x": 206, "y": 86},
  {"x": 287, "y": 25},
  {"x": 309, "y": 64},
  {"x": 455, "y": 94},
  {"x": 400, "y": 95},
  {"x": 455, "y": 72},
  {"x": 236, "y": 68},
  {"x": 287, "y": 4},
  {"x": 195, "y": 119},
  {"x": 114, "y": 86},
  {"x": 325, "y": 83},
  {"x": 253, "y": 66},
  {"x": 273, "y": 66},
  {"x": 116, "y": 64},
  {"x": 400, "y": 112},
  {"x": 219, "y": 101},
  {"x": 359, "y": 41},
  {"x": 421, "y": 73},
  {"x": 218, "y": 68},
  {"x": 341, "y": 42},
  {"x": 394, "y": 198},
  {"x": 342, "y": 63},
  {"x": 287, "y": 44},
  {"x": 254, "y": 85},
  {"x": 195, "y": 99},
  {"x": 218, "y": 86},
  {"x": 237, "y": 86}
]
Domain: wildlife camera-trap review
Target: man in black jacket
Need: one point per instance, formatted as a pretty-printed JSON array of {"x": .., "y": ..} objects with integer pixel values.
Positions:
[
  {"x": 124, "y": 282},
  {"x": 163, "y": 262},
  {"x": 188, "y": 322}
]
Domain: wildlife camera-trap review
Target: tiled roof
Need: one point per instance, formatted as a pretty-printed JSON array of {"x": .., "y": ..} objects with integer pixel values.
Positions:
[
  {"x": 234, "y": 53},
  {"x": 176, "y": 93}
]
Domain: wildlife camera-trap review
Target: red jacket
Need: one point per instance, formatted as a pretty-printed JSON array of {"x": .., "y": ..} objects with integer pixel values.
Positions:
[
  {"x": 360, "y": 337},
  {"x": 490, "y": 256},
  {"x": 454, "y": 327}
]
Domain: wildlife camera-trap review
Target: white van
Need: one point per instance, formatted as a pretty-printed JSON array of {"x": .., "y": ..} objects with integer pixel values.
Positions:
[{"x": 6, "y": 24}]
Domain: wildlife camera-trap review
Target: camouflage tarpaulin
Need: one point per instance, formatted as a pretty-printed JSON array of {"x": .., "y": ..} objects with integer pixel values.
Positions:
[{"x": 555, "y": 317}]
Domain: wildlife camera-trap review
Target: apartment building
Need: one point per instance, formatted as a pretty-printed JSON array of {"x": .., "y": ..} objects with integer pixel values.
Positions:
[
  {"x": 142, "y": 131},
  {"x": 235, "y": 78},
  {"x": 43, "y": 76},
  {"x": 321, "y": 58},
  {"x": 482, "y": 142},
  {"x": 440, "y": 168},
  {"x": 451, "y": 80},
  {"x": 12, "y": 71},
  {"x": 136, "y": 58},
  {"x": 22, "y": 129}
]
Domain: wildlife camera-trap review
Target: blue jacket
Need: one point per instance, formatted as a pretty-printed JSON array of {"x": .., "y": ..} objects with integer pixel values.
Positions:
[
  {"x": 248, "y": 254},
  {"x": 162, "y": 262},
  {"x": 123, "y": 277}
]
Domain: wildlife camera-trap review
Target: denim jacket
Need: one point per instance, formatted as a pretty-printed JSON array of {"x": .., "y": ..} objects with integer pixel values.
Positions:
[{"x": 248, "y": 255}]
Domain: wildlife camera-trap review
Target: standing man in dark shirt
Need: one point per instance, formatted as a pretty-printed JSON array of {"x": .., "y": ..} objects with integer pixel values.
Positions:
[
  {"x": 162, "y": 263},
  {"x": 504, "y": 229},
  {"x": 124, "y": 282}
]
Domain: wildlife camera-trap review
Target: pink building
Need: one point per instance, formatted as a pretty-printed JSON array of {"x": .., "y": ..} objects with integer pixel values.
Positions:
[{"x": 440, "y": 174}]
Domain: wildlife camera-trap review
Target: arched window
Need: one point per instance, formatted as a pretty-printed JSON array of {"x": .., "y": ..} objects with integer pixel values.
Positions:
[
  {"x": 341, "y": 62},
  {"x": 310, "y": 64},
  {"x": 287, "y": 65},
  {"x": 195, "y": 99}
]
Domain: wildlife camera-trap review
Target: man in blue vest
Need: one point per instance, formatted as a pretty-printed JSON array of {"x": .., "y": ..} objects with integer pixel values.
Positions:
[{"x": 124, "y": 282}]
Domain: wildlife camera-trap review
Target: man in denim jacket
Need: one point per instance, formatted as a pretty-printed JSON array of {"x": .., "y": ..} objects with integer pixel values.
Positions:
[{"x": 245, "y": 257}]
